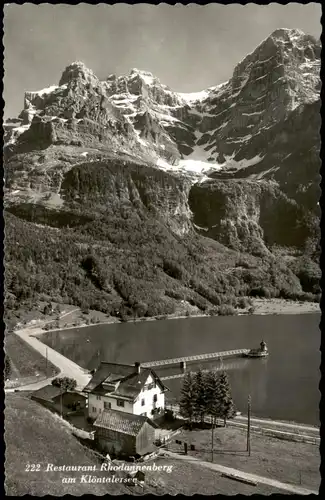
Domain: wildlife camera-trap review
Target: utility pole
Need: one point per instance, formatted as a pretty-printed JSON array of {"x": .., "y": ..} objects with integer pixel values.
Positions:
[
  {"x": 212, "y": 444},
  {"x": 61, "y": 400},
  {"x": 46, "y": 363},
  {"x": 249, "y": 426}
]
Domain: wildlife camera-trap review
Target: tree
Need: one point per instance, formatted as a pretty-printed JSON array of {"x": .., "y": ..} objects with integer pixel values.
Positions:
[
  {"x": 187, "y": 398},
  {"x": 212, "y": 395},
  {"x": 66, "y": 383},
  {"x": 7, "y": 368},
  {"x": 48, "y": 309},
  {"x": 200, "y": 399},
  {"x": 226, "y": 407},
  {"x": 57, "y": 310}
]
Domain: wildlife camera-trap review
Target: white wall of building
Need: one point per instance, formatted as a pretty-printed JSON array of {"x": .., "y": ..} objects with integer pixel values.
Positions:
[
  {"x": 148, "y": 395},
  {"x": 96, "y": 403}
]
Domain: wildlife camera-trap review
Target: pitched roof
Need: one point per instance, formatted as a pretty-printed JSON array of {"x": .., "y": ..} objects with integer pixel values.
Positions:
[
  {"x": 105, "y": 370},
  {"x": 48, "y": 392},
  {"x": 119, "y": 421},
  {"x": 131, "y": 382}
]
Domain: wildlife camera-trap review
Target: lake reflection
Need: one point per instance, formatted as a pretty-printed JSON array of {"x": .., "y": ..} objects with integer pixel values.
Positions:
[{"x": 283, "y": 386}]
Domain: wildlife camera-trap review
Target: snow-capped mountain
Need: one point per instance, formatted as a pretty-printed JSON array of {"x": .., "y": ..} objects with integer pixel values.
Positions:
[
  {"x": 226, "y": 128},
  {"x": 261, "y": 124},
  {"x": 126, "y": 161}
]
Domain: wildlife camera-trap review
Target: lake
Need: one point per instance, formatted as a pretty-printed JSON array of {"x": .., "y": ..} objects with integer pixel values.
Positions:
[{"x": 283, "y": 386}]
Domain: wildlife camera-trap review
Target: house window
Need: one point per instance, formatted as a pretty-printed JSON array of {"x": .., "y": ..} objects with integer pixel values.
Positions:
[
  {"x": 120, "y": 402},
  {"x": 150, "y": 386},
  {"x": 142, "y": 402},
  {"x": 98, "y": 398},
  {"x": 155, "y": 397},
  {"x": 107, "y": 406},
  {"x": 94, "y": 409}
]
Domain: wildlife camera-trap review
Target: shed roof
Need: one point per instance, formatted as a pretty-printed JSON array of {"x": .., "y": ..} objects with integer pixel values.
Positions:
[
  {"x": 48, "y": 393},
  {"x": 119, "y": 421}
]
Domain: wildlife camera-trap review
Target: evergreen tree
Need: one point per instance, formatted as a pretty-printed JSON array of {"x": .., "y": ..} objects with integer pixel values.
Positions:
[
  {"x": 200, "y": 400},
  {"x": 7, "y": 367},
  {"x": 187, "y": 398},
  {"x": 212, "y": 395},
  {"x": 226, "y": 407}
]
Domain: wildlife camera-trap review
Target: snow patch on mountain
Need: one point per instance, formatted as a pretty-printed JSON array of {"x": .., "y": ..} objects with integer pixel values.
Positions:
[
  {"x": 231, "y": 163},
  {"x": 47, "y": 90},
  {"x": 194, "y": 96}
]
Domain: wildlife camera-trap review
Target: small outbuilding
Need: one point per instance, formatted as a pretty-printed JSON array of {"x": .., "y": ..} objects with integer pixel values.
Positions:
[
  {"x": 52, "y": 397},
  {"x": 124, "y": 434}
]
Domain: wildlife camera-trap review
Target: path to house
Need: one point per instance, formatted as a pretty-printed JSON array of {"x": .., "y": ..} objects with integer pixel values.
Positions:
[
  {"x": 244, "y": 475},
  {"x": 67, "y": 367}
]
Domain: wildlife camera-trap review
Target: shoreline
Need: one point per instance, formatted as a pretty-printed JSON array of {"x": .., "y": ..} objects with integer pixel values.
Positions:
[
  {"x": 263, "y": 307},
  {"x": 274, "y": 306},
  {"x": 282, "y": 306}
]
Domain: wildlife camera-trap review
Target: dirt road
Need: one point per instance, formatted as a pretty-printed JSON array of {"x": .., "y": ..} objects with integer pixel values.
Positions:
[{"x": 67, "y": 367}]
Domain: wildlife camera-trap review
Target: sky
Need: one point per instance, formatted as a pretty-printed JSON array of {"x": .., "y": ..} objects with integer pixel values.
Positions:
[{"x": 189, "y": 48}]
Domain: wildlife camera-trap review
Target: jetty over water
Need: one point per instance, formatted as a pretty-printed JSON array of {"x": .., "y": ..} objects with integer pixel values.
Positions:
[
  {"x": 197, "y": 357},
  {"x": 230, "y": 365}
]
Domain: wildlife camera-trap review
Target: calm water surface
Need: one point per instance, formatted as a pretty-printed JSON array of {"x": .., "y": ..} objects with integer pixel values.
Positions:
[{"x": 283, "y": 386}]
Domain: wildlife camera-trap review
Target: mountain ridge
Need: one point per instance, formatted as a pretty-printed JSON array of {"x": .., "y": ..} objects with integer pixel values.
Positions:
[{"x": 88, "y": 155}]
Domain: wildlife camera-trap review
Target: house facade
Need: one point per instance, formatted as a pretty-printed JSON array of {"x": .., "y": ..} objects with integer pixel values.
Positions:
[{"x": 125, "y": 388}]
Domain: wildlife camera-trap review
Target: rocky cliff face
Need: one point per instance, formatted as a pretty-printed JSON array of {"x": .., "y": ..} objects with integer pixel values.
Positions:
[
  {"x": 249, "y": 216},
  {"x": 237, "y": 163}
]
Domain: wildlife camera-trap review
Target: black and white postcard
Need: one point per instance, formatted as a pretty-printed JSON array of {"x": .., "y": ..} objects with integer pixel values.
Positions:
[{"x": 162, "y": 249}]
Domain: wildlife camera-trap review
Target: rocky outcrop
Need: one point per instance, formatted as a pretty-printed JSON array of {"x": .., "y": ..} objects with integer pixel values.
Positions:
[
  {"x": 194, "y": 200},
  {"x": 248, "y": 216},
  {"x": 256, "y": 137},
  {"x": 280, "y": 75},
  {"x": 111, "y": 185}
]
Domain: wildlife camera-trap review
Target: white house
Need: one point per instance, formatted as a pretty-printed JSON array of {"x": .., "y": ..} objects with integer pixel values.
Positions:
[{"x": 126, "y": 388}]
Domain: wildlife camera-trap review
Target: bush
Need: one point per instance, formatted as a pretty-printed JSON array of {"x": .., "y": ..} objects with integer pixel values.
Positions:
[
  {"x": 226, "y": 310},
  {"x": 245, "y": 264},
  {"x": 243, "y": 303},
  {"x": 174, "y": 294},
  {"x": 262, "y": 292},
  {"x": 65, "y": 383},
  {"x": 310, "y": 297},
  {"x": 173, "y": 269}
]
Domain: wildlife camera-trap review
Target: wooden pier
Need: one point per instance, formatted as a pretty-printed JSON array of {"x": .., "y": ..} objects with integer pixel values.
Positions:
[
  {"x": 197, "y": 357},
  {"x": 223, "y": 367}
]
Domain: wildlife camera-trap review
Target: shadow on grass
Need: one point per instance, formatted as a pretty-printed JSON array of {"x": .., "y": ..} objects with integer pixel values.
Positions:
[
  {"x": 172, "y": 425},
  {"x": 207, "y": 451}
]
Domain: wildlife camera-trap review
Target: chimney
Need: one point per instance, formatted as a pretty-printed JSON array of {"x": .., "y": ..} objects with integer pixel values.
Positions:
[{"x": 137, "y": 366}]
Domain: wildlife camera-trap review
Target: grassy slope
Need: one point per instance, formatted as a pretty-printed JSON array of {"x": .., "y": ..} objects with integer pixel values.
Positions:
[
  {"x": 26, "y": 361},
  {"x": 270, "y": 457},
  {"x": 41, "y": 437},
  {"x": 33, "y": 435},
  {"x": 188, "y": 479}
]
